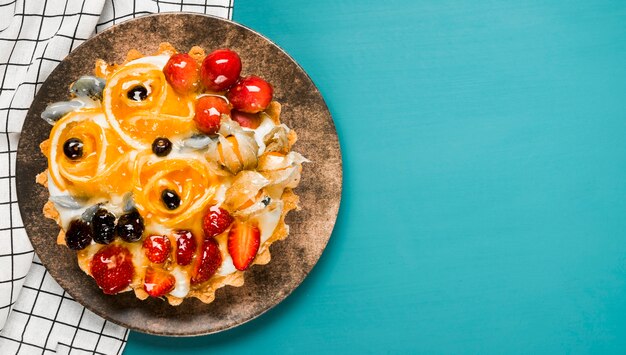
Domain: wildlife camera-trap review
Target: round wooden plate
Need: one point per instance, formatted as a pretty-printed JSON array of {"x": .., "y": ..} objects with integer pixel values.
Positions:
[{"x": 320, "y": 189}]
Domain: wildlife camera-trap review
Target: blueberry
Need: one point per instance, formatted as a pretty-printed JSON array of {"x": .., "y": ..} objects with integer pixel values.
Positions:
[
  {"x": 161, "y": 146},
  {"x": 170, "y": 199},
  {"x": 103, "y": 224},
  {"x": 130, "y": 226},
  {"x": 78, "y": 235},
  {"x": 73, "y": 148},
  {"x": 137, "y": 93}
]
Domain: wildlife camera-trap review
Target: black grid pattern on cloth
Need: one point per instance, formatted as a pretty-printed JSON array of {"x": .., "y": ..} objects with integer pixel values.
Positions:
[{"x": 35, "y": 35}]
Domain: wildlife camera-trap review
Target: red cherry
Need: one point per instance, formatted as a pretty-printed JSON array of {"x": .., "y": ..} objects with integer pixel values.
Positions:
[
  {"x": 220, "y": 69},
  {"x": 181, "y": 71},
  {"x": 209, "y": 111},
  {"x": 251, "y": 94}
]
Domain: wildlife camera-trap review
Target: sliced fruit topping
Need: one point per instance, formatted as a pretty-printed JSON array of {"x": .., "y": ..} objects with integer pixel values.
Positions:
[
  {"x": 251, "y": 94},
  {"x": 130, "y": 226},
  {"x": 181, "y": 71},
  {"x": 78, "y": 235},
  {"x": 73, "y": 148},
  {"x": 216, "y": 221},
  {"x": 137, "y": 93},
  {"x": 247, "y": 120},
  {"x": 112, "y": 268},
  {"x": 210, "y": 261},
  {"x": 185, "y": 247},
  {"x": 209, "y": 111},
  {"x": 158, "y": 282},
  {"x": 161, "y": 146},
  {"x": 220, "y": 69},
  {"x": 157, "y": 248},
  {"x": 243, "y": 243},
  {"x": 170, "y": 199},
  {"x": 103, "y": 224}
]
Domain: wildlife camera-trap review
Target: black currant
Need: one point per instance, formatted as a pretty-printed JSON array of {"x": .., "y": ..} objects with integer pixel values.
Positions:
[
  {"x": 103, "y": 224},
  {"x": 73, "y": 148},
  {"x": 78, "y": 235},
  {"x": 161, "y": 146},
  {"x": 137, "y": 93},
  {"x": 130, "y": 226},
  {"x": 170, "y": 199}
]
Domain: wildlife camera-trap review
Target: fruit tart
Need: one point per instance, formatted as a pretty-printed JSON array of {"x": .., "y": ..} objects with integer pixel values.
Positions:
[{"x": 170, "y": 174}]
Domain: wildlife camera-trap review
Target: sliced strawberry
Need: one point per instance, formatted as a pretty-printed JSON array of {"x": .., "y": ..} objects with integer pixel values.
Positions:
[
  {"x": 158, "y": 282},
  {"x": 112, "y": 268},
  {"x": 216, "y": 221},
  {"x": 250, "y": 94},
  {"x": 209, "y": 111},
  {"x": 248, "y": 120},
  {"x": 182, "y": 72},
  {"x": 210, "y": 261},
  {"x": 243, "y": 244},
  {"x": 157, "y": 248},
  {"x": 185, "y": 247}
]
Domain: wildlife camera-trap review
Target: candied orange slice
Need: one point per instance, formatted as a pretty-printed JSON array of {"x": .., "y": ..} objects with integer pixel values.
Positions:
[
  {"x": 158, "y": 112},
  {"x": 102, "y": 169},
  {"x": 189, "y": 178}
]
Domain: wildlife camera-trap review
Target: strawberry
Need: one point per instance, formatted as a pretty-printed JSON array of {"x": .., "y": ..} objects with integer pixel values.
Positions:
[
  {"x": 112, "y": 268},
  {"x": 216, "y": 221},
  {"x": 158, "y": 282},
  {"x": 210, "y": 261},
  {"x": 220, "y": 69},
  {"x": 247, "y": 120},
  {"x": 157, "y": 248},
  {"x": 243, "y": 244},
  {"x": 251, "y": 94},
  {"x": 209, "y": 111},
  {"x": 182, "y": 72},
  {"x": 185, "y": 247}
]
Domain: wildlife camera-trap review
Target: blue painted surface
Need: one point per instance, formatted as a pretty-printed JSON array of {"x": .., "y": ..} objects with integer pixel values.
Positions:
[{"x": 484, "y": 206}]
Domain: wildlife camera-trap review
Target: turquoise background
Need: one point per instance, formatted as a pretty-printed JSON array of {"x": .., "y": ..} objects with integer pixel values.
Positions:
[{"x": 484, "y": 204}]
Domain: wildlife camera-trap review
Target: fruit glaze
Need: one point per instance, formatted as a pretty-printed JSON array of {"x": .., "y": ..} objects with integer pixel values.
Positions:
[{"x": 170, "y": 174}]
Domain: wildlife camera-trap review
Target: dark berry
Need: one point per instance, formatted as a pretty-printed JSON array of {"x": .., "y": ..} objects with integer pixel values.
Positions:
[
  {"x": 137, "y": 93},
  {"x": 73, "y": 148},
  {"x": 170, "y": 199},
  {"x": 103, "y": 224},
  {"x": 78, "y": 235},
  {"x": 130, "y": 226},
  {"x": 161, "y": 146}
]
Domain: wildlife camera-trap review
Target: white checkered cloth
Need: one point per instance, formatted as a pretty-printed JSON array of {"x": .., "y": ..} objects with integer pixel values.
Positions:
[{"x": 36, "y": 315}]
